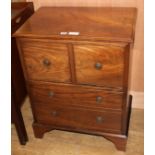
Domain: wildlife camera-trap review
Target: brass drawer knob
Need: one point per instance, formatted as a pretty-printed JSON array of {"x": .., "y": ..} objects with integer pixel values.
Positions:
[
  {"x": 18, "y": 20},
  {"x": 99, "y": 99},
  {"x": 99, "y": 119},
  {"x": 54, "y": 113},
  {"x": 46, "y": 62},
  {"x": 50, "y": 94},
  {"x": 98, "y": 66}
]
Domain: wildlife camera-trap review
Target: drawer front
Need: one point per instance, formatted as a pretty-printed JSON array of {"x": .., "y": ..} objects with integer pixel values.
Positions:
[
  {"x": 73, "y": 95},
  {"x": 78, "y": 118},
  {"x": 46, "y": 61},
  {"x": 99, "y": 65}
]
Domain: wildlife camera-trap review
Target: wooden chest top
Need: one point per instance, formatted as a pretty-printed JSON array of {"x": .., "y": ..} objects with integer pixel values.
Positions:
[{"x": 81, "y": 23}]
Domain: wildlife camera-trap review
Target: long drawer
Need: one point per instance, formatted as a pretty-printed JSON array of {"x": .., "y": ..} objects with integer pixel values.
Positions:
[
  {"x": 74, "y": 95},
  {"x": 78, "y": 118}
]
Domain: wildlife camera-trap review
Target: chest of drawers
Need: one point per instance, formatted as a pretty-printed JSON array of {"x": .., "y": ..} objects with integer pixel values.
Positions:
[{"x": 76, "y": 64}]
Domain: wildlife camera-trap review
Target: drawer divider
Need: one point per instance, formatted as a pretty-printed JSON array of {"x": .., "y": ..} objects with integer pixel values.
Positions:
[{"x": 72, "y": 63}]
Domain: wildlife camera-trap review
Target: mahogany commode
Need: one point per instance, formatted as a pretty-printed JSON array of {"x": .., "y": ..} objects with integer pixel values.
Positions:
[{"x": 76, "y": 64}]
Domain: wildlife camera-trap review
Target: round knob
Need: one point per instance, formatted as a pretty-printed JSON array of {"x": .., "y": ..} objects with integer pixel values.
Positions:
[
  {"x": 50, "y": 94},
  {"x": 54, "y": 113},
  {"x": 98, "y": 65},
  {"x": 99, "y": 99},
  {"x": 99, "y": 119},
  {"x": 18, "y": 20},
  {"x": 46, "y": 62}
]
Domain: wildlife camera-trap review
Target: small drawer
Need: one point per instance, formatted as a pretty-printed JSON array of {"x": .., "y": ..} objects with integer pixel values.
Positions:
[
  {"x": 46, "y": 61},
  {"x": 100, "y": 65},
  {"x": 74, "y": 95},
  {"x": 78, "y": 118}
]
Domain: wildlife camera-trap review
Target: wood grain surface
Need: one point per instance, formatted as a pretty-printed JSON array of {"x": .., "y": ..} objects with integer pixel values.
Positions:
[
  {"x": 73, "y": 118},
  {"x": 46, "y": 61},
  {"x": 76, "y": 95},
  {"x": 114, "y": 24},
  {"x": 111, "y": 59}
]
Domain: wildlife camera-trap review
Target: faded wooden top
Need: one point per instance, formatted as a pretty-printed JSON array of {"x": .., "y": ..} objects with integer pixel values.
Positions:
[{"x": 92, "y": 23}]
